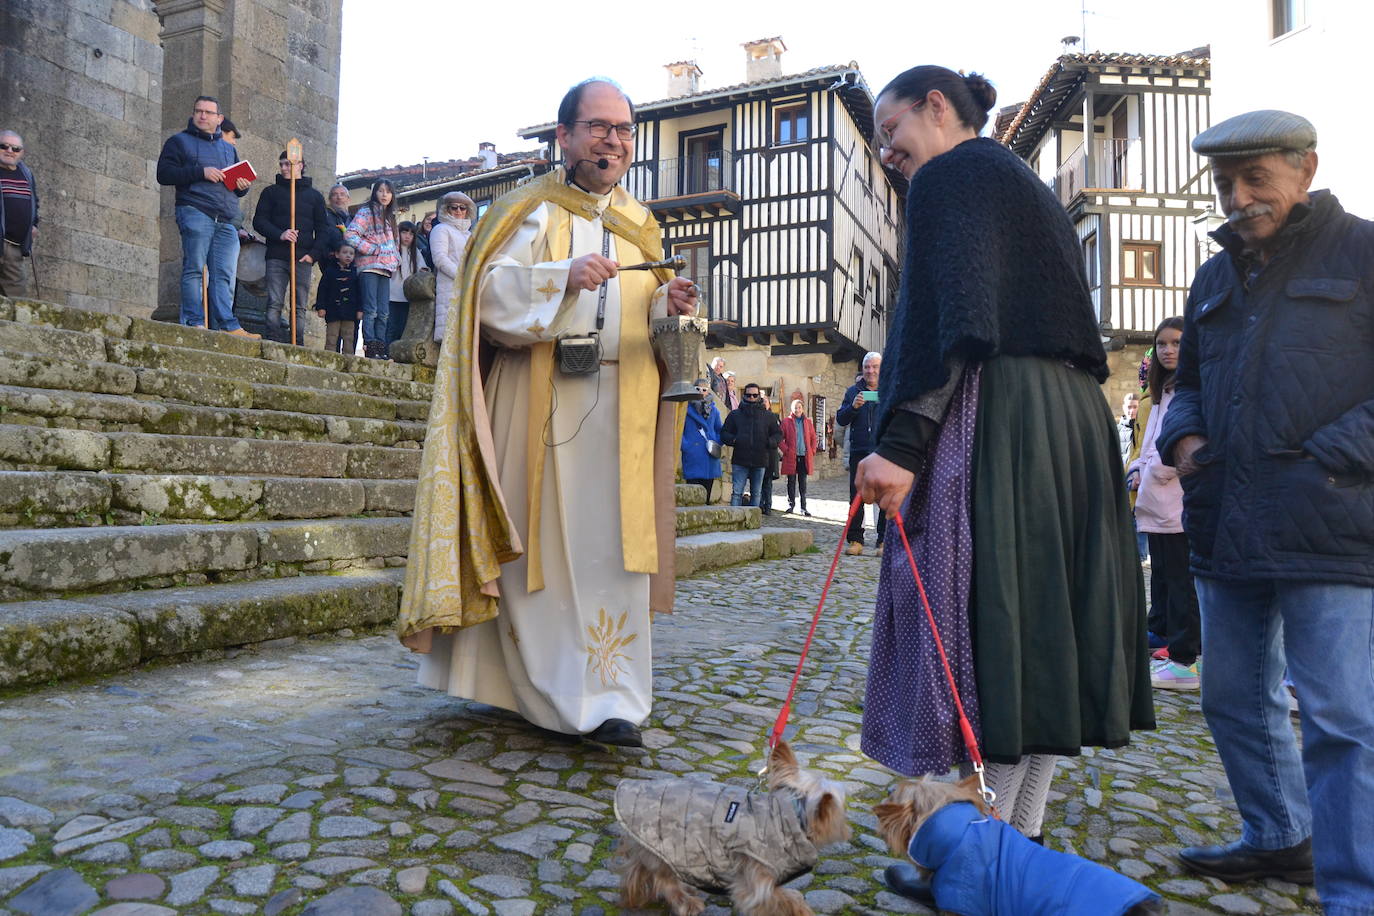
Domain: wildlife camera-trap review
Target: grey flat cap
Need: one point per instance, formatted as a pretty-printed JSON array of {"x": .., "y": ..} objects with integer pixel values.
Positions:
[{"x": 1256, "y": 133}]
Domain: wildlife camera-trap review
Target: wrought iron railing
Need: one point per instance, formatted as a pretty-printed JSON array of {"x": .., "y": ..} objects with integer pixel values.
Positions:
[
  {"x": 717, "y": 297},
  {"x": 702, "y": 173},
  {"x": 1115, "y": 164}
]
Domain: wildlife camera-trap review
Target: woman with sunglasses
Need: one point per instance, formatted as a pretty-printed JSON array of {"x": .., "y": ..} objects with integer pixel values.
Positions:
[
  {"x": 998, "y": 448},
  {"x": 447, "y": 240}
]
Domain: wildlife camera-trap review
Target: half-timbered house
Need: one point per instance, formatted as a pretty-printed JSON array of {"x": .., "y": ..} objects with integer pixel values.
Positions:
[
  {"x": 484, "y": 178},
  {"x": 772, "y": 191},
  {"x": 1137, "y": 193}
]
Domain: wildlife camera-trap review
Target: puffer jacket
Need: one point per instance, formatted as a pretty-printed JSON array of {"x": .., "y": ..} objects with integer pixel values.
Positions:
[
  {"x": 182, "y": 164},
  {"x": 753, "y": 432},
  {"x": 1275, "y": 370},
  {"x": 378, "y": 248},
  {"x": 273, "y": 217},
  {"x": 983, "y": 867},
  {"x": 699, "y": 828}
]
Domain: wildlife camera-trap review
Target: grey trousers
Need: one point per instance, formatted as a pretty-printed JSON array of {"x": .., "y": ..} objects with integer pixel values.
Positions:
[
  {"x": 14, "y": 272},
  {"x": 278, "y": 287}
]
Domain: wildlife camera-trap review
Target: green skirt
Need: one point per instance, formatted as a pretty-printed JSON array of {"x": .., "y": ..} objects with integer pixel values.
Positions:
[{"x": 1058, "y": 604}]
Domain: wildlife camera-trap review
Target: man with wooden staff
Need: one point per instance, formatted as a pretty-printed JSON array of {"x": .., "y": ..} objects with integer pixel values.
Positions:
[
  {"x": 291, "y": 215},
  {"x": 565, "y": 435}
]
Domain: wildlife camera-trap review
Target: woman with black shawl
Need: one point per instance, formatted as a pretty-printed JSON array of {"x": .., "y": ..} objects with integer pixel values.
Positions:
[{"x": 998, "y": 448}]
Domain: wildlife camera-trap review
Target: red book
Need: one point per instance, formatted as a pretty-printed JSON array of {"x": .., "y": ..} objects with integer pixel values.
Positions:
[{"x": 240, "y": 169}]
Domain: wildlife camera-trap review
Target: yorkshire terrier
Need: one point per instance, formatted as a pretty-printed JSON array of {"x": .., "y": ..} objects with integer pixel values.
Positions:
[
  {"x": 681, "y": 834},
  {"x": 980, "y": 866}
]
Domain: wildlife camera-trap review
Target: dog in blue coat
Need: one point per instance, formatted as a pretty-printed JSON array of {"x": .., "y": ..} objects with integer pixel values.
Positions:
[{"x": 980, "y": 866}]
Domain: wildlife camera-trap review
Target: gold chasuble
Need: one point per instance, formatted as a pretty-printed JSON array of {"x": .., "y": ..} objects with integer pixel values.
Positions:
[{"x": 544, "y": 524}]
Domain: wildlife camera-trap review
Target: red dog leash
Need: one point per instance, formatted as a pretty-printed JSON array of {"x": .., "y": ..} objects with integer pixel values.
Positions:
[{"x": 965, "y": 727}]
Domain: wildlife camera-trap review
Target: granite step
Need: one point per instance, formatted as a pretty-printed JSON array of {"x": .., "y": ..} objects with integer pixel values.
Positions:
[
  {"x": 54, "y": 562},
  {"x": 703, "y": 519},
  {"x": 701, "y": 552},
  {"x": 44, "y": 640},
  {"x": 689, "y": 494},
  {"x": 59, "y": 408},
  {"x": 64, "y": 499},
  {"x": 31, "y": 448}
]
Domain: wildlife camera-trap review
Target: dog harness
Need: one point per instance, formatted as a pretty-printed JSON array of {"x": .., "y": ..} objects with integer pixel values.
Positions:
[{"x": 701, "y": 828}]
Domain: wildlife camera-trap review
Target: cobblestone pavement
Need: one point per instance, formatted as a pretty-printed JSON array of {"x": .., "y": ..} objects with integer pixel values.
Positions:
[{"x": 312, "y": 776}]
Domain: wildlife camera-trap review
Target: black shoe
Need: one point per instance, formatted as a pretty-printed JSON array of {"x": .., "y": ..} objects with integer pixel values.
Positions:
[
  {"x": 804, "y": 512},
  {"x": 791, "y": 509},
  {"x": 905, "y": 881},
  {"x": 1236, "y": 862},
  {"x": 617, "y": 732}
]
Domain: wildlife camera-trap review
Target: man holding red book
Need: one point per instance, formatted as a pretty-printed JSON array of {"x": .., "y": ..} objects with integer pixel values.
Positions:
[{"x": 193, "y": 161}]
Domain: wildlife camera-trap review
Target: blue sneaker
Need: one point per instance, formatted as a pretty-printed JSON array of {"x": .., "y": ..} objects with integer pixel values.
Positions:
[{"x": 1156, "y": 641}]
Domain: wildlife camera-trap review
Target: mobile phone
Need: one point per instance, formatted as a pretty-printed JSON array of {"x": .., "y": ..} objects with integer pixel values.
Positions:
[{"x": 869, "y": 395}]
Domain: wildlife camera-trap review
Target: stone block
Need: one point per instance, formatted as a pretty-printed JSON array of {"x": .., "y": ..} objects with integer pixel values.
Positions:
[
  {"x": 188, "y": 497},
  {"x": 32, "y": 498},
  {"x": 6, "y": 309},
  {"x": 179, "y": 620},
  {"x": 331, "y": 403},
  {"x": 278, "y": 424},
  {"x": 74, "y": 346},
  {"x": 186, "y": 420},
  {"x": 190, "y": 454},
  {"x": 785, "y": 542},
  {"x": 310, "y": 377},
  {"x": 363, "y": 431},
  {"x": 198, "y": 389},
  {"x": 38, "y": 371},
  {"x": 103, "y": 323},
  {"x": 690, "y": 494},
  {"x": 286, "y": 497},
  {"x": 339, "y": 539},
  {"x": 389, "y": 495},
  {"x": 412, "y": 410},
  {"x": 43, "y": 640},
  {"x": 379, "y": 368},
  {"x": 64, "y": 408},
  {"x": 180, "y": 335},
  {"x": 303, "y": 356},
  {"x": 701, "y": 519},
  {"x": 385, "y": 463},
  {"x": 31, "y": 447},
  {"x": 424, "y": 374},
  {"x": 79, "y": 559},
  {"x": 699, "y": 552},
  {"x": 145, "y": 355}
]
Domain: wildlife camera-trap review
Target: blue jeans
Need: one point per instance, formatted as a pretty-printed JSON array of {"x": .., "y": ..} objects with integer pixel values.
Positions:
[
  {"x": 738, "y": 475},
  {"x": 207, "y": 242},
  {"x": 398, "y": 315},
  {"x": 1326, "y": 634},
  {"x": 376, "y": 290}
]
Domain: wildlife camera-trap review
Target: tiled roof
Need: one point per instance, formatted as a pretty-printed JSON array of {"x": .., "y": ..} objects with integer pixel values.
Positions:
[
  {"x": 1064, "y": 75},
  {"x": 410, "y": 176}
]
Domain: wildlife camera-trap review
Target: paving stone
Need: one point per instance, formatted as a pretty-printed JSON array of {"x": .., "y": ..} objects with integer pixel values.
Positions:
[
  {"x": 501, "y": 885},
  {"x": 449, "y": 889},
  {"x": 190, "y": 886},
  {"x": 282, "y": 900},
  {"x": 11, "y": 879},
  {"x": 105, "y": 854},
  {"x": 14, "y": 841},
  {"x": 253, "y": 795},
  {"x": 226, "y": 849},
  {"x": 412, "y": 880},
  {"x": 349, "y": 827},
  {"x": 82, "y": 823},
  {"x": 432, "y": 908},
  {"x": 167, "y": 859},
  {"x": 337, "y": 865},
  {"x": 136, "y": 887},
  {"x": 536, "y": 842},
  {"x": 135, "y": 909},
  {"x": 250, "y": 821},
  {"x": 354, "y": 901},
  {"x": 513, "y": 907},
  {"x": 15, "y": 812},
  {"x": 184, "y": 816},
  {"x": 255, "y": 881},
  {"x": 295, "y": 828},
  {"x": 56, "y": 893},
  {"x": 302, "y": 799}
]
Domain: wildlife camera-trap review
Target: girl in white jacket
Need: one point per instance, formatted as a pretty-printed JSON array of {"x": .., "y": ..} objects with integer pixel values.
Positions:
[
  {"x": 447, "y": 241},
  {"x": 1159, "y": 513}
]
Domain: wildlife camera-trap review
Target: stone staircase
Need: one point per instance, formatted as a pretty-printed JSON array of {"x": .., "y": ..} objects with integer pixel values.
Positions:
[
  {"x": 710, "y": 537},
  {"x": 167, "y": 490}
]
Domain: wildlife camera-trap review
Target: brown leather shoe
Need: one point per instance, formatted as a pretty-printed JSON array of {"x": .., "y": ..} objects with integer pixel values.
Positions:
[
  {"x": 240, "y": 332},
  {"x": 1236, "y": 862},
  {"x": 854, "y": 549}
]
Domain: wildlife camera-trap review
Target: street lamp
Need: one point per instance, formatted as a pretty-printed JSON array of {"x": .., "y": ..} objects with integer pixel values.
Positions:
[{"x": 424, "y": 169}]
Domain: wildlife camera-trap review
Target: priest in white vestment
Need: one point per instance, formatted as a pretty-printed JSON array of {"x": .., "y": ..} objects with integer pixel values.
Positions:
[{"x": 567, "y": 645}]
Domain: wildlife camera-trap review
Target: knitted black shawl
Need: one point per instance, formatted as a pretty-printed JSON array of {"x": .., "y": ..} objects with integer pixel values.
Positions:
[{"x": 993, "y": 266}]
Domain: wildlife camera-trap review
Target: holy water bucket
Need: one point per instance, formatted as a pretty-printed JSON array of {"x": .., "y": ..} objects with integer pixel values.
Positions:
[{"x": 679, "y": 340}]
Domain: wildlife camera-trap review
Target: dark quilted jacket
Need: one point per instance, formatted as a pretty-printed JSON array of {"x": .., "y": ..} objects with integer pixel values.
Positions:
[{"x": 1277, "y": 371}]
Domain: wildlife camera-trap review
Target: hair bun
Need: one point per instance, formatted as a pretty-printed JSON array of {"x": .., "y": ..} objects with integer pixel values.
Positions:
[{"x": 982, "y": 91}]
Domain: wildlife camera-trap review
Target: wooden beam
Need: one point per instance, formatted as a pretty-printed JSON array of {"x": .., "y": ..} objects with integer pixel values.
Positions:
[
  {"x": 811, "y": 335},
  {"x": 762, "y": 338}
]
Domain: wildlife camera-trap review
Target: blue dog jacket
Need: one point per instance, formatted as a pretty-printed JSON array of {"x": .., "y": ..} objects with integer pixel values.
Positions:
[{"x": 985, "y": 868}]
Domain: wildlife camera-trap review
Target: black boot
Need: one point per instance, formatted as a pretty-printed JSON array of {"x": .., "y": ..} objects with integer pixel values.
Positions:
[
  {"x": 905, "y": 881},
  {"x": 1236, "y": 862},
  {"x": 618, "y": 732}
]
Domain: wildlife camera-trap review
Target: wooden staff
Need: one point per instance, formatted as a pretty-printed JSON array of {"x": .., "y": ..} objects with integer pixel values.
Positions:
[
  {"x": 205, "y": 295},
  {"x": 293, "y": 155}
]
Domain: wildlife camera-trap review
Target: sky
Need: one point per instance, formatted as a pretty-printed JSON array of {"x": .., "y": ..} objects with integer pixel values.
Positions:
[{"x": 428, "y": 78}]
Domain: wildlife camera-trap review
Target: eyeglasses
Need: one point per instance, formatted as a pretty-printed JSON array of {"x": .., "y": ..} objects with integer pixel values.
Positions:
[
  {"x": 204, "y": 111},
  {"x": 882, "y": 135},
  {"x": 600, "y": 130},
  {"x": 752, "y": 397},
  {"x": 457, "y": 208},
  {"x": 10, "y": 148}
]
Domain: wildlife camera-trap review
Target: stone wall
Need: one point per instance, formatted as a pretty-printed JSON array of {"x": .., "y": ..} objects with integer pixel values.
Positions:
[
  {"x": 81, "y": 80},
  {"x": 274, "y": 66}
]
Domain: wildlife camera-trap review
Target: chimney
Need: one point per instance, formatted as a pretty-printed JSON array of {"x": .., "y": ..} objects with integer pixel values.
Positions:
[
  {"x": 763, "y": 59},
  {"x": 487, "y": 153},
  {"x": 683, "y": 78}
]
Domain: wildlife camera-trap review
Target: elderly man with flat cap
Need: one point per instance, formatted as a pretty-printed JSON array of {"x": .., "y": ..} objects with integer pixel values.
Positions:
[{"x": 1272, "y": 431}]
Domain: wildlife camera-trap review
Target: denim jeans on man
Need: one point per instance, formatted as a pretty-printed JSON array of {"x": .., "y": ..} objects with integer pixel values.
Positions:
[
  {"x": 738, "y": 476},
  {"x": 278, "y": 287},
  {"x": 1326, "y": 635},
  {"x": 212, "y": 243},
  {"x": 376, "y": 290}
]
